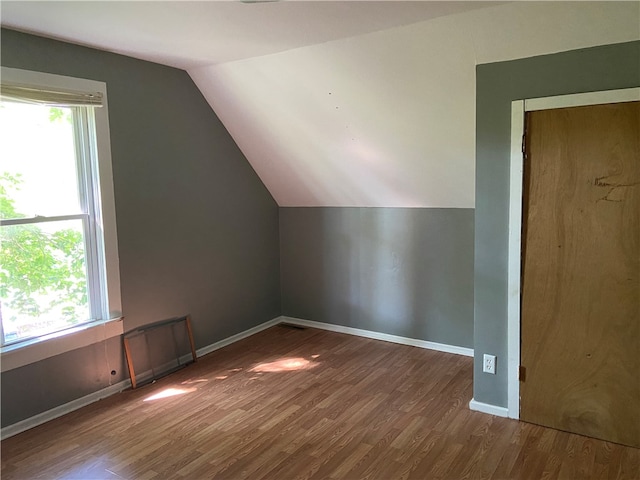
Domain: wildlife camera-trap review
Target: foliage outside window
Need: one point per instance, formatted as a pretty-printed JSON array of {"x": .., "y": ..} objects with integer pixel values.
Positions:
[{"x": 52, "y": 273}]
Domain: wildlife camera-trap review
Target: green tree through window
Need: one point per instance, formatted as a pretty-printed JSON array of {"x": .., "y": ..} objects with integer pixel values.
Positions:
[{"x": 43, "y": 272}]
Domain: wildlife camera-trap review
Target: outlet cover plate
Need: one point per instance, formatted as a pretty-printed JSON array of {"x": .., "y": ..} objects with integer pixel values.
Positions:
[{"x": 489, "y": 364}]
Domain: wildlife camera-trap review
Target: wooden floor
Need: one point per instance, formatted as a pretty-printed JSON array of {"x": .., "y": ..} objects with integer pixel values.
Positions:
[{"x": 289, "y": 404}]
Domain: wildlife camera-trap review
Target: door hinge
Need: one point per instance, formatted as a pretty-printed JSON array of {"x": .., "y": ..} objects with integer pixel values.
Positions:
[{"x": 522, "y": 373}]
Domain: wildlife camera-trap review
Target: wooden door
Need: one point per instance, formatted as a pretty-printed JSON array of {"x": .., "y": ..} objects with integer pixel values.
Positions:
[{"x": 580, "y": 324}]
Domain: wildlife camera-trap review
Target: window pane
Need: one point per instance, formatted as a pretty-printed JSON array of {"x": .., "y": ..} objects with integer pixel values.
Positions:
[
  {"x": 43, "y": 278},
  {"x": 38, "y": 170}
]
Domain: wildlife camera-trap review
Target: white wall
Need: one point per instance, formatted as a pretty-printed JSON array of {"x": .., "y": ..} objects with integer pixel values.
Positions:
[{"x": 388, "y": 118}]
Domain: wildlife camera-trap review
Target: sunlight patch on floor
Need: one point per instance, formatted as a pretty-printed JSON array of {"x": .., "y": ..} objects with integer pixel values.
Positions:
[
  {"x": 288, "y": 364},
  {"x": 169, "y": 392}
]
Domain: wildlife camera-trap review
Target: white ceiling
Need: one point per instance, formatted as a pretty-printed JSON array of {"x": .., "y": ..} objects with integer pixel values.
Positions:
[
  {"x": 387, "y": 119},
  {"x": 187, "y": 34},
  {"x": 341, "y": 103}
]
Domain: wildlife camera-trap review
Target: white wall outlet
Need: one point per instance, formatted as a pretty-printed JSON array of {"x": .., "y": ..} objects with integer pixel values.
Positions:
[{"x": 489, "y": 364}]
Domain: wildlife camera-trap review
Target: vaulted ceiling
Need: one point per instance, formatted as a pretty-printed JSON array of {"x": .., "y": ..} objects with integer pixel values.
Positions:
[{"x": 340, "y": 103}]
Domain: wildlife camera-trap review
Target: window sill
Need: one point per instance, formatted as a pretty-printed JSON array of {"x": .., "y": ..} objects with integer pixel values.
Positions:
[{"x": 40, "y": 348}]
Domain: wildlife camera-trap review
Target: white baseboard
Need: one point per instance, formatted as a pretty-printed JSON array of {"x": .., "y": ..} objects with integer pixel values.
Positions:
[
  {"x": 488, "y": 408},
  {"x": 441, "y": 347},
  {"x": 238, "y": 336},
  {"x": 58, "y": 411}
]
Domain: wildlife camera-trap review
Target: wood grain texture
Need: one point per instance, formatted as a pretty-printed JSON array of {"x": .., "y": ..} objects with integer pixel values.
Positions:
[
  {"x": 307, "y": 404},
  {"x": 581, "y": 271}
]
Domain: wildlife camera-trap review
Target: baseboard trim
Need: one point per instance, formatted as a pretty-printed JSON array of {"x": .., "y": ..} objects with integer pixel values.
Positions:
[
  {"x": 238, "y": 336},
  {"x": 78, "y": 403},
  {"x": 441, "y": 347},
  {"x": 61, "y": 410},
  {"x": 488, "y": 408}
]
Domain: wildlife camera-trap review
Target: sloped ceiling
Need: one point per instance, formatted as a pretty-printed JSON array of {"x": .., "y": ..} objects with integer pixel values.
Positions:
[
  {"x": 387, "y": 119},
  {"x": 186, "y": 34},
  {"x": 341, "y": 103}
]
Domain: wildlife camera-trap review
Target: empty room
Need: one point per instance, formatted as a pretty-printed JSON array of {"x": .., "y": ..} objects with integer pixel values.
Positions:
[{"x": 283, "y": 239}]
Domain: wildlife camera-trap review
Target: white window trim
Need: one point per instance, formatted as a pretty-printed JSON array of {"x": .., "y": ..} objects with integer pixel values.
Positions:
[
  {"x": 24, "y": 353},
  {"x": 518, "y": 111},
  {"x": 40, "y": 348}
]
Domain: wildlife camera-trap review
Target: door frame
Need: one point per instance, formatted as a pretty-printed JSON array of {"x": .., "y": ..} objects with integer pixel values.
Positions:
[{"x": 518, "y": 110}]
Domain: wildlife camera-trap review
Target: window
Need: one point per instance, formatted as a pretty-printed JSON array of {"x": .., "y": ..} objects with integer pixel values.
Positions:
[{"x": 58, "y": 251}]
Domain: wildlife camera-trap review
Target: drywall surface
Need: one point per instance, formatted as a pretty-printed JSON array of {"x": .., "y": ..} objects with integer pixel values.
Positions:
[
  {"x": 600, "y": 68},
  {"x": 189, "y": 34},
  {"x": 358, "y": 122},
  {"x": 32, "y": 389},
  {"x": 400, "y": 271},
  {"x": 197, "y": 229},
  {"x": 387, "y": 119}
]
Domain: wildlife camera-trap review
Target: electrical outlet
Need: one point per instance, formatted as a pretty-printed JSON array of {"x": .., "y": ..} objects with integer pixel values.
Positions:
[{"x": 489, "y": 364}]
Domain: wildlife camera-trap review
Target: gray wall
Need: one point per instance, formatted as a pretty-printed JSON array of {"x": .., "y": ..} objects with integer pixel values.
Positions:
[
  {"x": 401, "y": 271},
  {"x": 600, "y": 68},
  {"x": 197, "y": 229},
  {"x": 32, "y": 389}
]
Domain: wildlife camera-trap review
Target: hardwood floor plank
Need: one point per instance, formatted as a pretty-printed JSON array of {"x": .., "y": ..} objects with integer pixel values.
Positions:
[
  {"x": 432, "y": 452},
  {"x": 351, "y": 459},
  {"x": 307, "y": 404}
]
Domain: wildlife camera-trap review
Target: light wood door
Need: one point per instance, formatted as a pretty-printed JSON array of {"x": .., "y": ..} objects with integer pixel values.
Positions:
[{"x": 580, "y": 323}]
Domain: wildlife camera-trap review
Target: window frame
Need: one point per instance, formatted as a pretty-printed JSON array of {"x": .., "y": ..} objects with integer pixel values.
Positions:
[{"x": 97, "y": 175}]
